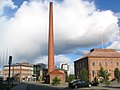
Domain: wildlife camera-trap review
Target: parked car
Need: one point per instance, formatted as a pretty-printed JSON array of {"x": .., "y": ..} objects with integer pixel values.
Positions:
[{"x": 78, "y": 84}]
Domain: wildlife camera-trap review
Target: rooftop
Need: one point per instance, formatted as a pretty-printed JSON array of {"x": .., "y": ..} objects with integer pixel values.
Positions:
[
  {"x": 57, "y": 72},
  {"x": 19, "y": 64},
  {"x": 102, "y": 53}
]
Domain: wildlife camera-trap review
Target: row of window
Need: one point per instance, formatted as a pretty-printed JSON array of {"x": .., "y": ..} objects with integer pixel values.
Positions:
[
  {"x": 94, "y": 72},
  {"x": 80, "y": 65},
  {"x": 106, "y": 63}
]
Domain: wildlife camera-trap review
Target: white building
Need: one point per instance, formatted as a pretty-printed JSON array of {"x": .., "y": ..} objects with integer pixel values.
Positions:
[
  {"x": 20, "y": 71},
  {"x": 65, "y": 66}
]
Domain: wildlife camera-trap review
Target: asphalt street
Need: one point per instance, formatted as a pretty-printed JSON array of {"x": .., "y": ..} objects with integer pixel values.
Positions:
[
  {"x": 38, "y": 86},
  {"x": 42, "y": 87}
]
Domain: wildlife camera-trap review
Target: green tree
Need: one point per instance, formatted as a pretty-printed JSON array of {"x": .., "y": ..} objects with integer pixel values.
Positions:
[
  {"x": 71, "y": 77},
  {"x": 117, "y": 74},
  {"x": 56, "y": 81},
  {"x": 105, "y": 75},
  {"x": 83, "y": 74}
]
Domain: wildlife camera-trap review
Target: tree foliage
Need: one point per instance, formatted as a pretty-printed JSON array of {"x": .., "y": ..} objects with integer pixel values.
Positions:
[
  {"x": 105, "y": 75},
  {"x": 56, "y": 81},
  {"x": 117, "y": 74},
  {"x": 71, "y": 77},
  {"x": 83, "y": 74}
]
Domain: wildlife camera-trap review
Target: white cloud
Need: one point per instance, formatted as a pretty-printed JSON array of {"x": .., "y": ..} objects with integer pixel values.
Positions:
[
  {"x": 81, "y": 52},
  {"x": 6, "y": 3},
  {"x": 58, "y": 60},
  {"x": 118, "y": 15},
  {"x": 115, "y": 45},
  {"x": 77, "y": 24}
]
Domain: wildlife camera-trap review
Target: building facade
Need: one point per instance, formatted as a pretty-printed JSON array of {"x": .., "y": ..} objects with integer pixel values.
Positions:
[
  {"x": 39, "y": 70},
  {"x": 56, "y": 73},
  {"x": 1, "y": 73},
  {"x": 20, "y": 71},
  {"x": 109, "y": 59}
]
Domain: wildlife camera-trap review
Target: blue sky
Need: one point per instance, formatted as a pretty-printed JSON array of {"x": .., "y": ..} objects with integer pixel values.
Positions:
[
  {"x": 113, "y": 5},
  {"x": 100, "y": 4},
  {"x": 78, "y": 26}
]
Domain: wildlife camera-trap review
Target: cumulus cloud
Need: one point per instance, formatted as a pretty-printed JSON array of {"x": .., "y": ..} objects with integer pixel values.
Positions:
[
  {"x": 115, "y": 45},
  {"x": 82, "y": 52},
  {"x": 59, "y": 59},
  {"x": 77, "y": 24},
  {"x": 6, "y": 3},
  {"x": 118, "y": 15}
]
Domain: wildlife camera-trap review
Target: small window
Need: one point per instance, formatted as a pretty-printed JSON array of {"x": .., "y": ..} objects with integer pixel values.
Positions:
[
  {"x": 94, "y": 73},
  {"x": 117, "y": 63},
  {"x": 80, "y": 65},
  {"x": 100, "y": 64},
  {"x": 94, "y": 64},
  {"x": 77, "y": 65},
  {"x": 106, "y": 64},
  {"x": 83, "y": 64}
]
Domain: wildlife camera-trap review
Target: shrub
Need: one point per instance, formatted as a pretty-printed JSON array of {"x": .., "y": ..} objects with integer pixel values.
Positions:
[
  {"x": 71, "y": 78},
  {"x": 56, "y": 81}
]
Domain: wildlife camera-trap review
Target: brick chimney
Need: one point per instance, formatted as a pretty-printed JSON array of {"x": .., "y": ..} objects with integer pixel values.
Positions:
[{"x": 51, "y": 41}]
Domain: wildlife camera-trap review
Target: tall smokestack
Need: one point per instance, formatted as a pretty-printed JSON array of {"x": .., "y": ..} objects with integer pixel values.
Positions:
[{"x": 51, "y": 41}]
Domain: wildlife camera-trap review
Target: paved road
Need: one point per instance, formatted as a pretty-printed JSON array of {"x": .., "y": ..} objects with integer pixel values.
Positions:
[
  {"x": 35, "y": 86},
  {"x": 43, "y": 87},
  {"x": 40, "y": 87}
]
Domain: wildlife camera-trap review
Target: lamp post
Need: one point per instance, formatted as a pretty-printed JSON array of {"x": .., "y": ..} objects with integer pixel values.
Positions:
[
  {"x": 10, "y": 61},
  {"x": 12, "y": 74}
]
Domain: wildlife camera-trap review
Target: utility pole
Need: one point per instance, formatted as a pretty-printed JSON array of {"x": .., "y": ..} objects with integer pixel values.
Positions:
[{"x": 10, "y": 61}]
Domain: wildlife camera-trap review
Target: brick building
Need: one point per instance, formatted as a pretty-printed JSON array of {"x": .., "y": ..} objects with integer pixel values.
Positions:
[
  {"x": 20, "y": 71},
  {"x": 109, "y": 59},
  {"x": 56, "y": 73}
]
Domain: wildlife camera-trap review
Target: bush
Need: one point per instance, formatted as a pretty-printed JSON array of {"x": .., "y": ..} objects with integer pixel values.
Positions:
[
  {"x": 56, "y": 81},
  {"x": 107, "y": 83},
  {"x": 71, "y": 78}
]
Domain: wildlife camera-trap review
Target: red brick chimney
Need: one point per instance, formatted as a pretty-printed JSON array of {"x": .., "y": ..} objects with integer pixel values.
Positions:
[{"x": 51, "y": 41}]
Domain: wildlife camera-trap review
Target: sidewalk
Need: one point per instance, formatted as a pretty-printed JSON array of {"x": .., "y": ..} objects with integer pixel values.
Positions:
[{"x": 21, "y": 86}]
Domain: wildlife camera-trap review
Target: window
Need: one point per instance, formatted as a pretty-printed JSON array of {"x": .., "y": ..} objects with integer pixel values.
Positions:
[
  {"x": 94, "y": 64},
  {"x": 100, "y": 64},
  {"x": 79, "y": 81},
  {"x": 106, "y": 64},
  {"x": 93, "y": 73},
  {"x": 117, "y": 63},
  {"x": 83, "y": 64},
  {"x": 80, "y": 65}
]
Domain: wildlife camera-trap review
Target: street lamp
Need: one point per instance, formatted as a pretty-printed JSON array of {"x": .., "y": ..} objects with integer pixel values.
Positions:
[{"x": 10, "y": 61}]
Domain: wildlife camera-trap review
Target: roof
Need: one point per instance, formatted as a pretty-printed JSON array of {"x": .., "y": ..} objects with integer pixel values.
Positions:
[
  {"x": 20, "y": 64},
  {"x": 109, "y": 53},
  {"x": 102, "y": 53},
  {"x": 57, "y": 72}
]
